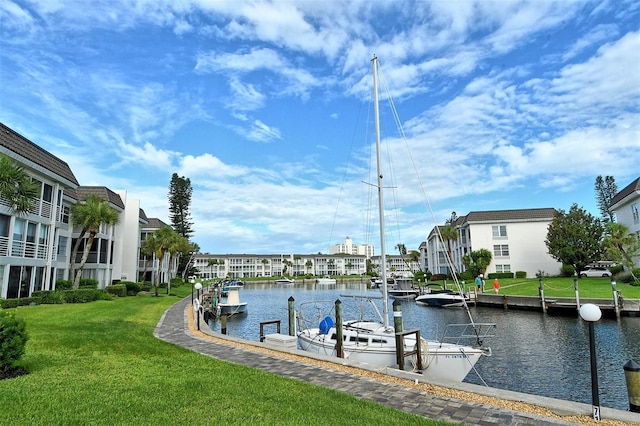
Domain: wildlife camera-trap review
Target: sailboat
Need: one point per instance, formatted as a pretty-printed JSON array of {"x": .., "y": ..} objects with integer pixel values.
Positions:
[{"x": 374, "y": 342}]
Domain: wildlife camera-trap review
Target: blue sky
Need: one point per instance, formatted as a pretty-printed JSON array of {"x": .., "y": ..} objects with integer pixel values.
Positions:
[{"x": 265, "y": 106}]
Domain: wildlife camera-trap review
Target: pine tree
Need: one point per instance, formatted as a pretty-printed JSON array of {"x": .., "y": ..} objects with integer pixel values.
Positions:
[
  {"x": 606, "y": 189},
  {"x": 179, "y": 205}
]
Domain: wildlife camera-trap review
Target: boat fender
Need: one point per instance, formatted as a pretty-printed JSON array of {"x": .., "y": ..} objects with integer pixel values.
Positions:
[{"x": 325, "y": 325}]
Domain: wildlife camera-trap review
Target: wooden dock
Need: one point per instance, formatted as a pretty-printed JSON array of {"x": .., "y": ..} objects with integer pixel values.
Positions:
[{"x": 558, "y": 305}]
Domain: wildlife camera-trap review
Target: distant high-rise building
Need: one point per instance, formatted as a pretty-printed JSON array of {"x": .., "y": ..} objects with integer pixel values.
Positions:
[{"x": 349, "y": 248}]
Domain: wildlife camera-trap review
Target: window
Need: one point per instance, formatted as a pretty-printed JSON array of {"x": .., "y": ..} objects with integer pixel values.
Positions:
[
  {"x": 503, "y": 268},
  {"x": 635, "y": 213},
  {"x": 499, "y": 231},
  {"x": 501, "y": 250}
]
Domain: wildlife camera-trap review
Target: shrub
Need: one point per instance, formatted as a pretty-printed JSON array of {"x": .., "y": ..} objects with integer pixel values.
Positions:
[
  {"x": 88, "y": 283},
  {"x": 616, "y": 269},
  {"x": 500, "y": 275},
  {"x": 438, "y": 277},
  {"x": 64, "y": 285},
  {"x": 119, "y": 290},
  {"x": 48, "y": 297},
  {"x": 567, "y": 271},
  {"x": 467, "y": 275},
  {"x": 9, "y": 303},
  {"x": 82, "y": 295},
  {"x": 177, "y": 282},
  {"x": 23, "y": 301},
  {"x": 147, "y": 286},
  {"x": 521, "y": 274},
  {"x": 13, "y": 338},
  {"x": 132, "y": 288}
]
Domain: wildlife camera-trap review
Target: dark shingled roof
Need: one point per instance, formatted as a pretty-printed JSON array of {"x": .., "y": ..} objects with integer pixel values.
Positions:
[
  {"x": 23, "y": 147},
  {"x": 511, "y": 215},
  {"x": 101, "y": 191},
  {"x": 628, "y": 190},
  {"x": 155, "y": 223}
]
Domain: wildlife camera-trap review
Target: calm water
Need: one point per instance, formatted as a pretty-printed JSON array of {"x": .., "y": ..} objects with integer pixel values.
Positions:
[{"x": 532, "y": 353}]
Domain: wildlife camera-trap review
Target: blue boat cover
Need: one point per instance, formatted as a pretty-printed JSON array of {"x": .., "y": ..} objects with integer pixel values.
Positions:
[{"x": 325, "y": 325}]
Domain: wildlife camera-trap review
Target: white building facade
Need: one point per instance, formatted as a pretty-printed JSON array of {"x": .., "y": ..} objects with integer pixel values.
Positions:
[
  {"x": 515, "y": 238},
  {"x": 626, "y": 206},
  {"x": 349, "y": 248},
  {"x": 217, "y": 266},
  {"x": 35, "y": 247}
]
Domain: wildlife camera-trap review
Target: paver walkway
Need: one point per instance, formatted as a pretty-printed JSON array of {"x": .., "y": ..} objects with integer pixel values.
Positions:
[{"x": 173, "y": 328}]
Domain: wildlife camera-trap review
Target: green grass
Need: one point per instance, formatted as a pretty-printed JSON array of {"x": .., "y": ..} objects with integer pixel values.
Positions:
[
  {"x": 99, "y": 364},
  {"x": 563, "y": 287}
]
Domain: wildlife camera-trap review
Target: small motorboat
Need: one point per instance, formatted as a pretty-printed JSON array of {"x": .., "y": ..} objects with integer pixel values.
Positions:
[
  {"x": 285, "y": 281},
  {"x": 437, "y": 296},
  {"x": 232, "y": 304},
  {"x": 326, "y": 281}
]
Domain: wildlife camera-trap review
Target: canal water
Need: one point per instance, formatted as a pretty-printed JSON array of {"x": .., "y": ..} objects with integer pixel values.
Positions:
[{"x": 531, "y": 352}]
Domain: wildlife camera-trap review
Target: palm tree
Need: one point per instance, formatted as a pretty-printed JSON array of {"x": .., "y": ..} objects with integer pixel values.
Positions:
[
  {"x": 16, "y": 186},
  {"x": 621, "y": 245},
  {"x": 165, "y": 240},
  {"x": 192, "y": 250},
  {"x": 414, "y": 258},
  {"x": 179, "y": 244},
  {"x": 448, "y": 234},
  {"x": 148, "y": 249},
  {"x": 89, "y": 214}
]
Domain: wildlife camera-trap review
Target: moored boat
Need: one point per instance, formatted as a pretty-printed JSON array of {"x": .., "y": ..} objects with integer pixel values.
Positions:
[
  {"x": 232, "y": 304},
  {"x": 326, "y": 281},
  {"x": 374, "y": 342}
]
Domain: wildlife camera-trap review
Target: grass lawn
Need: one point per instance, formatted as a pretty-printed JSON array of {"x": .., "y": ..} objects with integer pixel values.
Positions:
[
  {"x": 99, "y": 363},
  {"x": 563, "y": 287}
]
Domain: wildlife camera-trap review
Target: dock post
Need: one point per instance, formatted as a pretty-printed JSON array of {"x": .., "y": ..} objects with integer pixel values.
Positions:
[
  {"x": 541, "y": 292},
  {"x": 575, "y": 287},
  {"x": 223, "y": 324},
  {"x": 292, "y": 317},
  {"x": 632, "y": 377},
  {"x": 397, "y": 315},
  {"x": 339, "y": 341},
  {"x": 616, "y": 305}
]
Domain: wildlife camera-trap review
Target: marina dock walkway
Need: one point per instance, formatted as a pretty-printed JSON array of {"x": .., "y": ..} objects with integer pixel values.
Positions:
[{"x": 173, "y": 327}]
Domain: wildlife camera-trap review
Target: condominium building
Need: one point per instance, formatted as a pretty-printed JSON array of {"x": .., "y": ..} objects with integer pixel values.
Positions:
[
  {"x": 516, "y": 239},
  {"x": 626, "y": 206},
  {"x": 349, "y": 248},
  {"x": 35, "y": 247},
  {"x": 212, "y": 266}
]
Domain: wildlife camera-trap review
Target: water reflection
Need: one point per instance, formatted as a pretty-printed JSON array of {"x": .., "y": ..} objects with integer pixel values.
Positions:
[{"x": 532, "y": 353}]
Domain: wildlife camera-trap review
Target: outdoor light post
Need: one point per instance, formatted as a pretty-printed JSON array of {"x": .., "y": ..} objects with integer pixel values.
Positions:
[
  {"x": 192, "y": 280},
  {"x": 591, "y": 313},
  {"x": 198, "y": 286}
]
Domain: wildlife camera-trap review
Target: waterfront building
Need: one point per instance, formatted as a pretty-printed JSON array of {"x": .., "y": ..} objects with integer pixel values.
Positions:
[
  {"x": 516, "y": 239},
  {"x": 216, "y": 266},
  {"x": 626, "y": 206},
  {"x": 35, "y": 247}
]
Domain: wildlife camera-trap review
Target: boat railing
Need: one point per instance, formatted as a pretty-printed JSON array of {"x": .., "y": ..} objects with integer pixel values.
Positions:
[{"x": 471, "y": 332}]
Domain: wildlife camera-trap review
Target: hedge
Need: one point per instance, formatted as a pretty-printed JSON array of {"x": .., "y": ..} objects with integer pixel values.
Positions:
[{"x": 13, "y": 338}]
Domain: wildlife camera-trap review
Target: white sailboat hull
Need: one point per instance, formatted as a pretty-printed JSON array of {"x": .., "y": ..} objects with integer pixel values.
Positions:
[{"x": 441, "y": 361}]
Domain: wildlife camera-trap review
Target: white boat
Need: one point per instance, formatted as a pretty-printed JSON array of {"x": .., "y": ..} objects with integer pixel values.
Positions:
[
  {"x": 374, "y": 342},
  {"x": 285, "y": 281},
  {"x": 403, "y": 289},
  {"x": 232, "y": 304},
  {"x": 326, "y": 281},
  {"x": 441, "y": 298}
]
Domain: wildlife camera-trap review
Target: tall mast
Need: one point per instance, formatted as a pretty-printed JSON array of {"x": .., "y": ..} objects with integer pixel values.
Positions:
[{"x": 383, "y": 253}]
